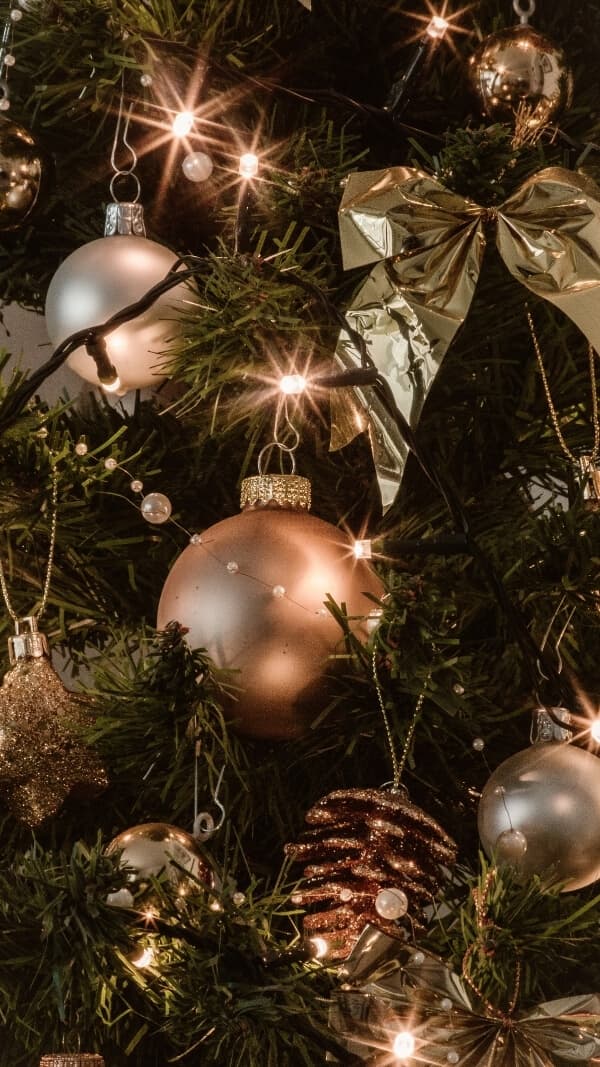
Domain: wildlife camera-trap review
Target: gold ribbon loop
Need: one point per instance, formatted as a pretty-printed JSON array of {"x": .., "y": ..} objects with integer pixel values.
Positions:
[{"x": 427, "y": 244}]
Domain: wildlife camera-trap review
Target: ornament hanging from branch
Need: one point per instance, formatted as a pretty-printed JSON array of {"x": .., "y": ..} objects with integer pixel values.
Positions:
[
  {"x": 252, "y": 590},
  {"x": 540, "y": 810},
  {"x": 520, "y": 72},
  {"x": 428, "y": 244},
  {"x": 104, "y": 277},
  {"x": 43, "y": 760},
  {"x": 372, "y": 857},
  {"x": 22, "y": 166}
]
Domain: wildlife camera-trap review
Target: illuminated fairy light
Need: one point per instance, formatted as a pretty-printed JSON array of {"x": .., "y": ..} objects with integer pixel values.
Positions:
[
  {"x": 144, "y": 959},
  {"x": 182, "y": 123},
  {"x": 318, "y": 946},
  {"x": 248, "y": 167},
  {"x": 112, "y": 387},
  {"x": 437, "y": 28},
  {"x": 404, "y": 1045},
  {"x": 292, "y": 384},
  {"x": 363, "y": 549},
  {"x": 595, "y": 730}
]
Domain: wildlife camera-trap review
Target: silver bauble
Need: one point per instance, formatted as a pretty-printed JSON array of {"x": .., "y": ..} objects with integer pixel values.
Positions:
[
  {"x": 252, "y": 593},
  {"x": 550, "y": 794},
  {"x": 519, "y": 67},
  {"x": 103, "y": 277},
  {"x": 155, "y": 849},
  {"x": 21, "y": 171}
]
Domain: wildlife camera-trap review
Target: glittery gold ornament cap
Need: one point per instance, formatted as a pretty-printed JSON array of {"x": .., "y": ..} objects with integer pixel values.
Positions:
[
  {"x": 282, "y": 490},
  {"x": 72, "y": 1059}
]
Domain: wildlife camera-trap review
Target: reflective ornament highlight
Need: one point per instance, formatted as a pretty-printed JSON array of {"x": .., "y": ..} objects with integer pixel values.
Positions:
[
  {"x": 156, "y": 508},
  {"x": 549, "y": 794},
  {"x": 159, "y": 850},
  {"x": 520, "y": 68},
  {"x": 197, "y": 167},
  {"x": 105, "y": 276},
  {"x": 251, "y": 594},
  {"x": 21, "y": 174}
]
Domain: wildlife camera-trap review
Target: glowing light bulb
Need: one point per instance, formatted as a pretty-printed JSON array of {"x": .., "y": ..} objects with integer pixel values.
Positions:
[
  {"x": 292, "y": 384},
  {"x": 144, "y": 958},
  {"x": 112, "y": 387},
  {"x": 248, "y": 165},
  {"x": 318, "y": 946},
  {"x": 437, "y": 28},
  {"x": 404, "y": 1045},
  {"x": 182, "y": 123},
  {"x": 595, "y": 730},
  {"x": 363, "y": 549}
]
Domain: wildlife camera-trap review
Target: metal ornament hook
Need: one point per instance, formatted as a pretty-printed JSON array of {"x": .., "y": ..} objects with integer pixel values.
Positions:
[
  {"x": 524, "y": 10},
  {"x": 204, "y": 824}
]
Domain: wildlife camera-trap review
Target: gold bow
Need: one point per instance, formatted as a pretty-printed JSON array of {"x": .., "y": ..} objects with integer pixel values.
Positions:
[
  {"x": 390, "y": 988},
  {"x": 428, "y": 245}
]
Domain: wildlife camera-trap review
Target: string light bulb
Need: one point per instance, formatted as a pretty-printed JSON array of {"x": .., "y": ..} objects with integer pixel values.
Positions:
[
  {"x": 437, "y": 27},
  {"x": 182, "y": 123},
  {"x": 363, "y": 549},
  {"x": 404, "y": 1045},
  {"x": 318, "y": 948},
  {"x": 144, "y": 958},
  {"x": 292, "y": 384},
  {"x": 248, "y": 167}
]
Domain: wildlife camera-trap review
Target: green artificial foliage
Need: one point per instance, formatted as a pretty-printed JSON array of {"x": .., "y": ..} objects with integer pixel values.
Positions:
[{"x": 484, "y": 629}]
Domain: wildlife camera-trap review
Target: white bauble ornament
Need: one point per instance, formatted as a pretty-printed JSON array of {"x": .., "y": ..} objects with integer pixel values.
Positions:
[
  {"x": 105, "y": 276},
  {"x": 252, "y": 591},
  {"x": 540, "y": 813},
  {"x": 197, "y": 167}
]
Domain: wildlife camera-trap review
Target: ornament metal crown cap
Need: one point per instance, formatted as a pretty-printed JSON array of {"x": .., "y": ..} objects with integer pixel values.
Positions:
[
  {"x": 282, "y": 490},
  {"x": 124, "y": 219},
  {"x": 27, "y": 641},
  {"x": 72, "y": 1059}
]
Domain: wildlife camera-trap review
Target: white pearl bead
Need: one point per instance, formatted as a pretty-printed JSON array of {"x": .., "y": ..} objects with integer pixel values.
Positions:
[
  {"x": 278, "y": 591},
  {"x": 196, "y": 539},
  {"x": 156, "y": 508},
  {"x": 81, "y": 448},
  {"x": 136, "y": 486},
  {"x": 233, "y": 567},
  {"x": 110, "y": 463},
  {"x": 478, "y": 744},
  {"x": 391, "y": 903},
  {"x": 197, "y": 167}
]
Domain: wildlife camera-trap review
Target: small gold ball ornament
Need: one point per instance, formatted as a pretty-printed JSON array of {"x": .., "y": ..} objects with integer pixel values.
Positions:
[
  {"x": 520, "y": 69},
  {"x": 20, "y": 174},
  {"x": 159, "y": 850}
]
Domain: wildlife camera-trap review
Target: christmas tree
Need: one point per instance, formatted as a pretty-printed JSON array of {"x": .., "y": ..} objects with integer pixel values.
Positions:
[{"x": 268, "y": 791}]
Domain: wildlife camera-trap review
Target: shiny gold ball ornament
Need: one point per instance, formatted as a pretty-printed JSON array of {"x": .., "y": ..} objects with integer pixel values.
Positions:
[
  {"x": 252, "y": 591},
  {"x": 104, "y": 277},
  {"x": 519, "y": 69},
  {"x": 371, "y": 857},
  {"x": 540, "y": 813},
  {"x": 21, "y": 174},
  {"x": 157, "y": 850}
]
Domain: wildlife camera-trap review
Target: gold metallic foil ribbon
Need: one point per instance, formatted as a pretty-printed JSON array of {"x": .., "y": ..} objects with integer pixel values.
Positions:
[
  {"x": 427, "y": 244},
  {"x": 388, "y": 988}
]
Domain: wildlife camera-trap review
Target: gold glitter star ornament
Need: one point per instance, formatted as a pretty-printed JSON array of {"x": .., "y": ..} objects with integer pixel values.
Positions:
[{"x": 43, "y": 759}]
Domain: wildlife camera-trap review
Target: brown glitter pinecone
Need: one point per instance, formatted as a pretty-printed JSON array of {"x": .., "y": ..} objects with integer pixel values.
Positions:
[{"x": 363, "y": 841}]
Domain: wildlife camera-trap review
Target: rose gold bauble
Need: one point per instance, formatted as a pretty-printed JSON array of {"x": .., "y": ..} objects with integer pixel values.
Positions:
[
  {"x": 156, "y": 849},
  {"x": 252, "y": 593}
]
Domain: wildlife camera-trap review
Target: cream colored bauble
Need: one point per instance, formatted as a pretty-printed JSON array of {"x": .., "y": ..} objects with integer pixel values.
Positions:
[{"x": 105, "y": 276}]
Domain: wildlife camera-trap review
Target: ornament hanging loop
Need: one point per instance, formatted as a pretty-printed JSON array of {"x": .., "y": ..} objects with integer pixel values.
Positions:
[
  {"x": 124, "y": 171},
  {"x": 524, "y": 10},
  {"x": 204, "y": 824}
]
